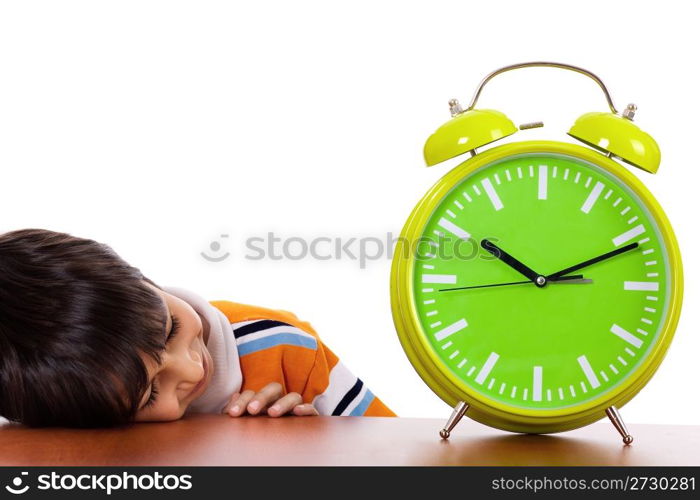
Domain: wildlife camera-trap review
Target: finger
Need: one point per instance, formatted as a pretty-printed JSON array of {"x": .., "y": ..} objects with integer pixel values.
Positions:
[
  {"x": 234, "y": 397},
  {"x": 284, "y": 405},
  {"x": 305, "y": 410},
  {"x": 238, "y": 408},
  {"x": 268, "y": 394}
]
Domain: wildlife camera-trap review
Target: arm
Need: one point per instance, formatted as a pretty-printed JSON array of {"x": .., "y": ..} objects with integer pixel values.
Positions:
[
  {"x": 334, "y": 390},
  {"x": 295, "y": 357}
]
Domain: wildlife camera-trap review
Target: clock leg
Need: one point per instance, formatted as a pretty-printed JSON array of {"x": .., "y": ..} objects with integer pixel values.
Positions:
[
  {"x": 456, "y": 416},
  {"x": 614, "y": 416}
]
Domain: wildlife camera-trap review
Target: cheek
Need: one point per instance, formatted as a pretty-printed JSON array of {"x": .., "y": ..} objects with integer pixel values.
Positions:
[
  {"x": 171, "y": 411},
  {"x": 162, "y": 411}
]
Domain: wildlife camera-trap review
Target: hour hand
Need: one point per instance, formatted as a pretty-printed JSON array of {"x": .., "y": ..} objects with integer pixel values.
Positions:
[{"x": 504, "y": 256}]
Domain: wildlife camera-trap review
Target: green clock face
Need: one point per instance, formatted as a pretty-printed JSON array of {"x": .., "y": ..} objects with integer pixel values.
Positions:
[{"x": 541, "y": 347}]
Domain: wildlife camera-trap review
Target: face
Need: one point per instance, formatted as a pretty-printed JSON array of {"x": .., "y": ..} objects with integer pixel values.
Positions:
[
  {"x": 186, "y": 368},
  {"x": 562, "y": 344}
]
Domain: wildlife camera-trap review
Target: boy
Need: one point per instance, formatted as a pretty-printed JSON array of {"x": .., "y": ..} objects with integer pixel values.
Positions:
[{"x": 87, "y": 341}]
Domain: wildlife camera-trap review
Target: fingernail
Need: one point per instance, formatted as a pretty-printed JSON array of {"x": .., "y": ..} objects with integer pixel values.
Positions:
[
  {"x": 234, "y": 409},
  {"x": 254, "y": 406},
  {"x": 275, "y": 409}
]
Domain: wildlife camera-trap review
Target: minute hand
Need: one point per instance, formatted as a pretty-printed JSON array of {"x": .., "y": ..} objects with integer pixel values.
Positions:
[{"x": 594, "y": 260}]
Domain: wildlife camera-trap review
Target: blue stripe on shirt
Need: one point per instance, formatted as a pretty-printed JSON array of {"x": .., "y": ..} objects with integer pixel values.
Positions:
[
  {"x": 275, "y": 340},
  {"x": 362, "y": 406}
]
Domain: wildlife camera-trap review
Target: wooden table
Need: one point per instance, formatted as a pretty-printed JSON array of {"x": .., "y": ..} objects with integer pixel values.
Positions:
[{"x": 221, "y": 440}]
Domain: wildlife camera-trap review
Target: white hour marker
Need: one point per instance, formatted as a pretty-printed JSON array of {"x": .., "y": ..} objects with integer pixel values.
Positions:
[
  {"x": 449, "y": 330},
  {"x": 649, "y": 286},
  {"x": 542, "y": 183},
  {"x": 592, "y": 197},
  {"x": 486, "y": 369},
  {"x": 588, "y": 371},
  {"x": 491, "y": 192},
  {"x": 453, "y": 228},
  {"x": 626, "y": 336},
  {"x": 628, "y": 235},
  {"x": 450, "y": 279},
  {"x": 537, "y": 383}
]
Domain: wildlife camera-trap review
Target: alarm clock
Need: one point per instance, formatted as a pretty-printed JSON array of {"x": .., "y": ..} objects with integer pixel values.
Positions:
[{"x": 536, "y": 287}]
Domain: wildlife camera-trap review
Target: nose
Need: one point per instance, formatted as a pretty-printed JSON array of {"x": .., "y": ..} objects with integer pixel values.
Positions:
[{"x": 183, "y": 368}]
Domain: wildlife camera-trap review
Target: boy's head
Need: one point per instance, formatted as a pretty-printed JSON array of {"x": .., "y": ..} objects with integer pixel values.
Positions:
[{"x": 83, "y": 333}]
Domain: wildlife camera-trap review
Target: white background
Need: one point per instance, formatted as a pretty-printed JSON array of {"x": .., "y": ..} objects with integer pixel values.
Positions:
[{"x": 158, "y": 126}]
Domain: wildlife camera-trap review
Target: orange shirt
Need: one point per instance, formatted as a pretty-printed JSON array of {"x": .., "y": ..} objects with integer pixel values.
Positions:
[{"x": 275, "y": 346}]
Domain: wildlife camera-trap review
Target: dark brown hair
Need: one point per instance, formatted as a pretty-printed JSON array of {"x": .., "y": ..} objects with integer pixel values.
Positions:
[{"x": 73, "y": 318}]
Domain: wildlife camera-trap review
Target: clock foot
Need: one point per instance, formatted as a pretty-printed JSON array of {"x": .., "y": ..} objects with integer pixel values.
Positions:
[
  {"x": 614, "y": 416},
  {"x": 456, "y": 416}
]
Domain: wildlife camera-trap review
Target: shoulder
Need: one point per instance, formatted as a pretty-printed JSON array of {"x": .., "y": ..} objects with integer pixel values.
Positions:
[
  {"x": 273, "y": 345},
  {"x": 240, "y": 314},
  {"x": 263, "y": 334}
]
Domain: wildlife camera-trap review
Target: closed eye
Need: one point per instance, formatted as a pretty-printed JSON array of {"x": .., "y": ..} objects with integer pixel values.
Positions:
[{"x": 174, "y": 330}]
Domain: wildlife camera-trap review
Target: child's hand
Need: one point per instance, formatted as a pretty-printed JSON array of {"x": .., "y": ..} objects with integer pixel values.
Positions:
[{"x": 270, "y": 398}]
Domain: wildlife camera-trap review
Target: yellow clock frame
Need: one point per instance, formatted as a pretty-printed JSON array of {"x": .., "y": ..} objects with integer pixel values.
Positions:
[{"x": 443, "y": 382}]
